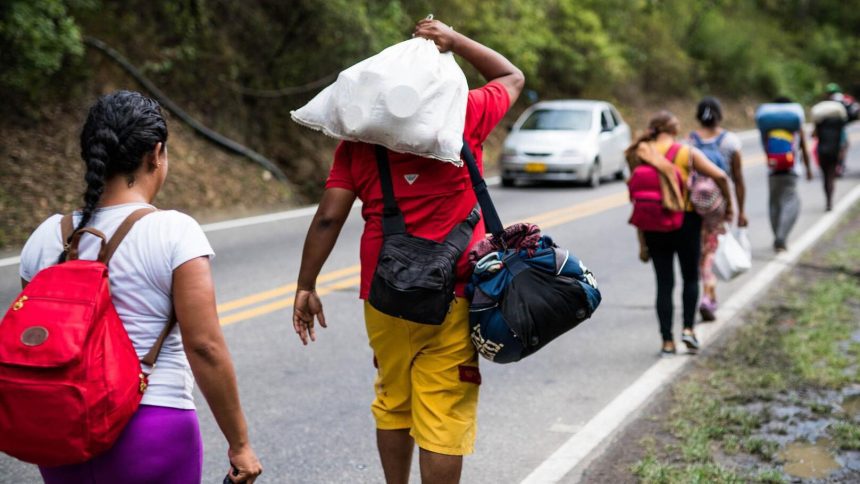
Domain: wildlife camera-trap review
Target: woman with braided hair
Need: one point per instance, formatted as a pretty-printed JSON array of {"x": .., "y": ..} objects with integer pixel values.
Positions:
[
  {"x": 660, "y": 247},
  {"x": 161, "y": 266}
]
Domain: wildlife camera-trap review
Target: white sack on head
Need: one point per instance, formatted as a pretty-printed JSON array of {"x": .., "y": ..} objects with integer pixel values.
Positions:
[
  {"x": 829, "y": 110},
  {"x": 409, "y": 98}
]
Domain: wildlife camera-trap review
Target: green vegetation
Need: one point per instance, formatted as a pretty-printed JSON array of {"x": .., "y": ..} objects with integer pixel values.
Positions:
[
  {"x": 565, "y": 47},
  {"x": 790, "y": 354},
  {"x": 846, "y": 435},
  {"x": 242, "y": 66},
  {"x": 36, "y": 38}
]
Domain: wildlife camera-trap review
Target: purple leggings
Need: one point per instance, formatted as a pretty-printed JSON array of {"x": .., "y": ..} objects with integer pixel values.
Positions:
[{"x": 160, "y": 445}]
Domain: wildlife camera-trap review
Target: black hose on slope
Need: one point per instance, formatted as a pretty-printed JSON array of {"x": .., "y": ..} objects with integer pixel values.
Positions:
[{"x": 159, "y": 96}]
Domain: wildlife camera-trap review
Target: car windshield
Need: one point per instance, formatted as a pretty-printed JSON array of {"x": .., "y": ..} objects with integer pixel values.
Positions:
[{"x": 558, "y": 119}]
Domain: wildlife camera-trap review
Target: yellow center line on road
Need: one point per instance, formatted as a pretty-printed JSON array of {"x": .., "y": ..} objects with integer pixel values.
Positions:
[
  {"x": 347, "y": 277},
  {"x": 286, "y": 302},
  {"x": 580, "y": 210},
  {"x": 284, "y": 290}
]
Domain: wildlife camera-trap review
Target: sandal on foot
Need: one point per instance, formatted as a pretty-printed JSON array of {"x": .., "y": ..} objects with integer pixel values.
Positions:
[
  {"x": 706, "y": 309},
  {"x": 689, "y": 339},
  {"x": 668, "y": 348}
]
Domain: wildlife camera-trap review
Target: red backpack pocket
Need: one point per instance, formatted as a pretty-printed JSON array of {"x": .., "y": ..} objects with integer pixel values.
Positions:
[{"x": 44, "y": 332}]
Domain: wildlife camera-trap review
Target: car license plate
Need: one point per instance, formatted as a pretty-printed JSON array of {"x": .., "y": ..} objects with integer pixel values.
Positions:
[{"x": 535, "y": 167}]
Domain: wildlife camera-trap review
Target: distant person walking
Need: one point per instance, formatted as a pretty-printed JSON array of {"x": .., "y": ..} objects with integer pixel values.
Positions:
[
  {"x": 427, "y": 375},
  {"x": 831, "y": 145},
  {"x": 723, "y": 148},
  {"x": 661, "y": 247},
  {"x": 162, "y": 265},
  {"x": 781, "y": 126}
]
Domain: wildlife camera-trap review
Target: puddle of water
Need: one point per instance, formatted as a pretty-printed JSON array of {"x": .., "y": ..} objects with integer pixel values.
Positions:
[
  {"x": 808, "y": 461},
  {"x": 851, "y": 405}
]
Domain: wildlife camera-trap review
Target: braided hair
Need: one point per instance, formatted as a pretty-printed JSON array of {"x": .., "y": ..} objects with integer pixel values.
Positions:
[
  {"x": 121, "y": 128},
  {"x": 709, "y": 112}
]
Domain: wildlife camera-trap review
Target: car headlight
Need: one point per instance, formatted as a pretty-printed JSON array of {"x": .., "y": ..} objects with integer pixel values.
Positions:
[
  {"x": 571, "y": 153},
  {"x": 509, "y": 152}
]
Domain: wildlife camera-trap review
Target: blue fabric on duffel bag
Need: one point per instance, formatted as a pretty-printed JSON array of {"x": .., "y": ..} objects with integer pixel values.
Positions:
[
  {"x": 525, "y": 291},
  {"x": 531, "y": 298}
]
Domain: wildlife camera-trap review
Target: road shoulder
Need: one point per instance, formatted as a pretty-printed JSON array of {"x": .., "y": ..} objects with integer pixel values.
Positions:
[{"x": 773, "y": 401}]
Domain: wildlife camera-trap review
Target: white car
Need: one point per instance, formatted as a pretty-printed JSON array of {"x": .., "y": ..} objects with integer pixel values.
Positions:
[{"x": 566, "y": 140}]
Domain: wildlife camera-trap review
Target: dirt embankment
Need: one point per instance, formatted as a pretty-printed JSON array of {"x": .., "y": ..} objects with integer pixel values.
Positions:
[{"x": 42, "y": 172}]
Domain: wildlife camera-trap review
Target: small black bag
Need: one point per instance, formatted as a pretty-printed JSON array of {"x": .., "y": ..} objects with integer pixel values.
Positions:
[{"x": 414, "y": 278}]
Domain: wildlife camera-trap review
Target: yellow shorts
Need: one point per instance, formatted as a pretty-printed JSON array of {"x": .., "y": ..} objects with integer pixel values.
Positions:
[{"x": 427, "y": 379}]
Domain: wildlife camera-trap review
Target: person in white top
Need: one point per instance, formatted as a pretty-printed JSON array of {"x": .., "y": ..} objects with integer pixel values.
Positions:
[{"x": 162, "y": 264}]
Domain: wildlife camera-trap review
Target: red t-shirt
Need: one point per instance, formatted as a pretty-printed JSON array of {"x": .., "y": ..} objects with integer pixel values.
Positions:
[{"x": 439, "y": 196}]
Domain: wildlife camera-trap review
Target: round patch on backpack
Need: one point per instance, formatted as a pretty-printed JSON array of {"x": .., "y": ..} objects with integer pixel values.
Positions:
[{"x": 34, "y": 335}]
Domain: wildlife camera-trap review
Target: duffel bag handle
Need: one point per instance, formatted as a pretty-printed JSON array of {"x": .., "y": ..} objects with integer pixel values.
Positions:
[{"x": 488, "y": 209}]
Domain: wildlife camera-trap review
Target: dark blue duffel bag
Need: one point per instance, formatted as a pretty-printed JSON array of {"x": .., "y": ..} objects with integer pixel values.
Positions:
[{"x": 525, "y": 291}]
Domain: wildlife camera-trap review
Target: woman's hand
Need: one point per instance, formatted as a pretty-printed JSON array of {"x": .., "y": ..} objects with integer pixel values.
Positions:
[
  {"x": 245, "y": 461},
  {"x": 644, "y": 255},
  {"x": 306, "y": 307},
  {"x": 742, "y": 220},
  {"x": 730, "y": 214},
  {"x": 444, "y": 36}
]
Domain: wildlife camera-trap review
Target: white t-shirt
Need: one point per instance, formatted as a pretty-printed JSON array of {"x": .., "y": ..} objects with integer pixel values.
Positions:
[{"x": 141, "y": 282}]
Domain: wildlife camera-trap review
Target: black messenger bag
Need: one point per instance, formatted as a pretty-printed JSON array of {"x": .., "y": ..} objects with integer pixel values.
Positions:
[{"x": 414, "y": 278}]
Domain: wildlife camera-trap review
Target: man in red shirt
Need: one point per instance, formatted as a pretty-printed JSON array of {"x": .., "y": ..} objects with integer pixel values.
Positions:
[{"x": 427, "y": 380}]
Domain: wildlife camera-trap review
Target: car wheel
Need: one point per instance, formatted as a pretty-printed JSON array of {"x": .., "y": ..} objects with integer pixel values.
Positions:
[
  {"x": 594, "y": 175},
  {"x": 507, "y": 182},
  {"x": 622, "y": 173}
]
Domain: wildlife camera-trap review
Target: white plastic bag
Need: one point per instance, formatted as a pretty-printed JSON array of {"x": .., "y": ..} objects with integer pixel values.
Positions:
[
  {"x": 731, "y": 258},
  {"x": 409, "y": 98},
  {"x": 744, "y": 240}
]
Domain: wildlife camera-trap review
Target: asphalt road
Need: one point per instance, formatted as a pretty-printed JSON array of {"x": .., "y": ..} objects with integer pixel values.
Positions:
[{"x": 308, "y": 408}]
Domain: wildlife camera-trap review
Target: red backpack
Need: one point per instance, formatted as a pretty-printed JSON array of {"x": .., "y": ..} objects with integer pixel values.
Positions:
[
  {"x": 70, "y": 379},
  {"x": 649, "y": 214}
]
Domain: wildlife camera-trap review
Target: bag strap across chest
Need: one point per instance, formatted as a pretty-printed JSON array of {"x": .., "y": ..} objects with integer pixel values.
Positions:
[
  {"x": 71, "y": 239},
  {"x": 392, "y": 217}
]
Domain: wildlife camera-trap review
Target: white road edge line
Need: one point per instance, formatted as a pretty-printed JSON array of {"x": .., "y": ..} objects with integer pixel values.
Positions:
[{"x": 579, "y": 450}]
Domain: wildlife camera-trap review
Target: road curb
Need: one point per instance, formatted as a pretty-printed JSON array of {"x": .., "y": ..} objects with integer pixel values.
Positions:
[{"x": 573, "y": 457}]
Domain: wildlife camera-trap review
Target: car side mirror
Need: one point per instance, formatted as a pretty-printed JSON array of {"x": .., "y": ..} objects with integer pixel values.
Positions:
[{"x": 510, "y": 128}]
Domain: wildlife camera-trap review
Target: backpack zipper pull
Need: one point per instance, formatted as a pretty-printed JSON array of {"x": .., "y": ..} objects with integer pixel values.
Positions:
[
  {"x": 144, "y": 382},
  {"x": 19, "y": 303}
]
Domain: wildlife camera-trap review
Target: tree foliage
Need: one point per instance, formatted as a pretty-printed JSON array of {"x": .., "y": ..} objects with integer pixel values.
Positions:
[
  {"x": 36, "y": 37},
  {"x": 211, "y": 55}
]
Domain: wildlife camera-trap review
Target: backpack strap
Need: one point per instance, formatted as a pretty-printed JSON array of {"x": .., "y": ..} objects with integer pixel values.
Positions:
[
  {"x": 151, "y": 356},
  {"x": 124, "y": 228},
  {"x": 461, "y": 234},
  {"x": 72, "y": 252},
  {"x": 66, "y": 228},
  {"x": 122, "y": 231},
  {"x": 392, "y": 218},
  {"x": 672, "y": 152},
  {"x": 697, "y": 140},
  {"x": 488, "y": 209}
]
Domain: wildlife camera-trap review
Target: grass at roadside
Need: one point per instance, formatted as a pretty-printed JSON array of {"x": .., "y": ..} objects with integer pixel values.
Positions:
[{"x": 782, "y": 380}]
